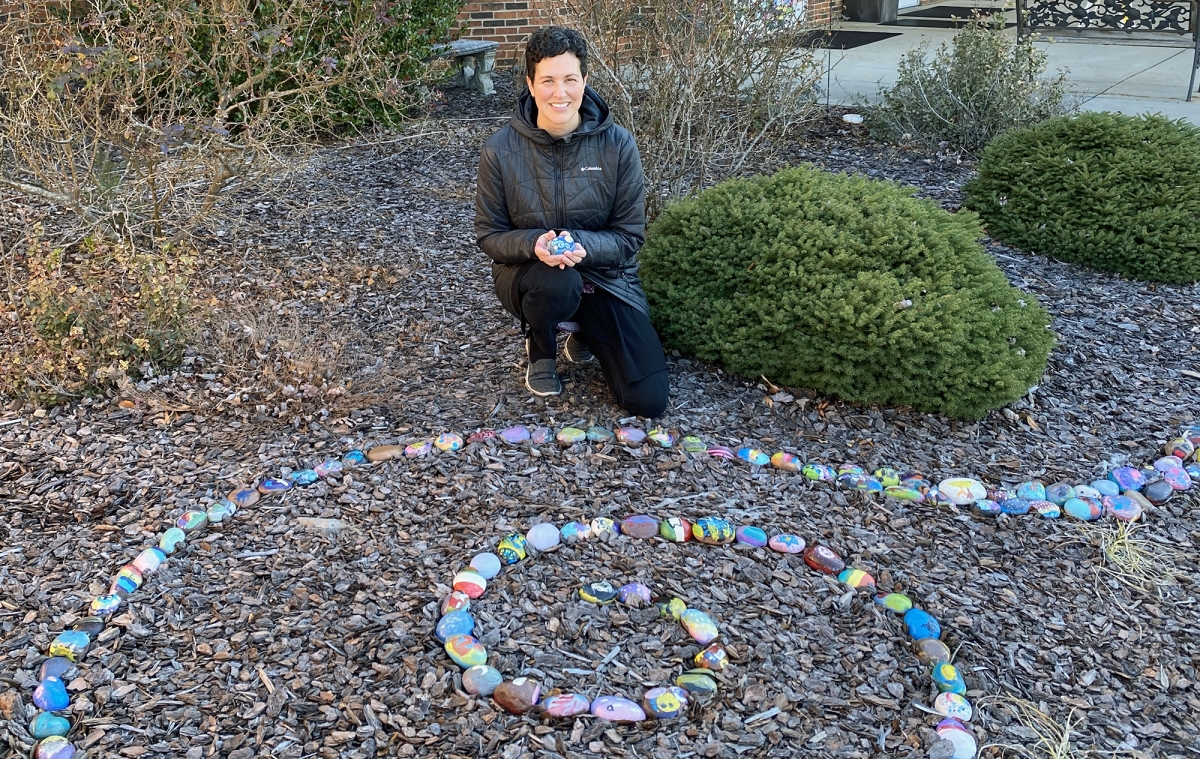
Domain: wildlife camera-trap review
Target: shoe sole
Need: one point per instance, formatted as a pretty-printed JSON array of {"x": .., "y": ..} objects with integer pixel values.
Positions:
[{"x": 539, "y": 393}]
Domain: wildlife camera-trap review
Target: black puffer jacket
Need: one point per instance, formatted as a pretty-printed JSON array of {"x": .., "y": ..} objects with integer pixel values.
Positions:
[{"x": 588, "y": 183}]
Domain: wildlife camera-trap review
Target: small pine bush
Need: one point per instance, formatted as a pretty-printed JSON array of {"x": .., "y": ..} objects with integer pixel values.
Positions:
[
  {"x": 847, "y": 285},
  {"x": 1107, "y": 191}
]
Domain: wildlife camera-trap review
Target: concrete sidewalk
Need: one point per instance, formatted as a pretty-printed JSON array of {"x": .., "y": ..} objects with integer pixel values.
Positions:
[{"x": 1103, "y": 77}]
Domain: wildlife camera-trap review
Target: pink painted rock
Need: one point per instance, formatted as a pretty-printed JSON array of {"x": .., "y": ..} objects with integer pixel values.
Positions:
[
  {"x": 823, "y": 559},
  {"x": 616, "y": 709},
  {"x": 566, "y": 705}
]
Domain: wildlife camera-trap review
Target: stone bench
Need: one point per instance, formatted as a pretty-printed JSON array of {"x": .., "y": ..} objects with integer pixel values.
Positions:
[{"x": 478, "y": 59}]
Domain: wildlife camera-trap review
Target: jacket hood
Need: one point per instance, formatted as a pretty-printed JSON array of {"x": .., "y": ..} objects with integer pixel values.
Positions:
[{"x": 594, "y": 116}]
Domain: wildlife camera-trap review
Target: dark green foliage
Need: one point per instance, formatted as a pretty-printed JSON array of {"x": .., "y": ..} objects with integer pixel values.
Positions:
[
  {"x": 1108, "y": 191},
  {"x": 802, "y": 277}
]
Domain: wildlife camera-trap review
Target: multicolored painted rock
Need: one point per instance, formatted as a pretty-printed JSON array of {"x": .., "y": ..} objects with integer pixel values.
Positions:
[
  {"x": 481, "y": 680},
  {"x": 354, "y": 458},
  {"x": 715, "y": 658},
  {"x": 1128, "y": 478},
  {"x": 448, "y": 442},
  {"x": 721, "y": 452},
  {"x": 1166, "y": 462},
  {"x": 916, "y": 480},
  {"x": 570, "y": 436},
  {"x": 514, "y": 435},
  {"x": 661, "y": 438},
  {"x": 89, "y": 626},
  {"x": 543, "y": 537},
  {"x": 673, "y": 608},
  {"x": 465, "y": 651},
  {"x": 639, "y": 526},
  {"x": 518, "y": 696},
  {"x": 1033, "y": 490},
  {"x": 617, "y": 709},
  {"x": 887, "y": 476},
  {"x": 856, "y": 578},
  {"x": 1085, "y": 509},
  {"x": 953, "y": 705},
  {"x": 55, "y": 747},
  {"x": 963, "y": 740},
  {"x": 1046, "y": 509},
  {"x": 273, "y": 485},
  {"x": 455, "y": 601},
  {"x": 785, "y": 461},
  {"x": 1087, "y": 491},
  {"x": 1122, "y": 507},
  {"x": 962, "y": 490},
  {"x": 693, "y": 444},
  {"x": 676, "y": 529},
  {"x": 1000, "y": 495},
  {"x": 220, "y": 511},
  {"x": 921, "y": 625},
  {"x": 599, "y": 434},
  {"x": 103, "y": 606},
  {"x": 190, "y": 521},
  {"x": 71, "y": 645},
  {"x": 598, "y": 592},
  {"x": 1178, "y": 478},
  {"x": 818, "y": 472},
  {"x": 1158, "y": 492},
  {"x": 58, "y": 666},
  {"x": 863, "y": 482},
  {"x": 987, "y": 507},
  {"x": 126, "y": 581},
  {"x": 1106, "y": 487},
  {"x": 904, "y": 493},
  {"x": 604, "y": 527},
  {"x": 897, "y": 602},
  {"x": 302, "y": 477},
  {"x": 1181, "y": 448},
  {"x": 512, "y": 548},
  {"x": 751, "y": 536},
  {"x": 1015, "y": 506},
  {"x": 51, "y": 695},
  {"x": 565, "y": 705},
  {"x": 470, "y": 582},
  {"x": 46, "y": 725},
  {"x": 382, "y": 453},
  {"x": 634, "y": 594},
  {"x": 822, "y": 559},
  {"x": 697, "y": 681},
  {"x": 330, "y": 468},
  {"x": 630, "y": 436},
  {"x": 487, "y": 564},
  {"x": 454, "y": 623},
  {"x": 753, "y": 456},
  {"x": 541, "y": 435},
  {"x": 1060, "y": 493},
  {"x": 847, "y": 467},
  {"x": 700, "y": 626},
  {"x": 478, "y": 436},
  {"x": 419, "y": 449},
  {"x": 149, "y": 560},
  {"x": 556, "y": 247},
  {"x": 787, "y": 543},
  {"x": 664, "y": 702},
  {"x": 931, "y": 651},
  {"x": 573, "y": 532},
  {"x": 947, "y": 679},
  {"x": 713, "y": 531}
]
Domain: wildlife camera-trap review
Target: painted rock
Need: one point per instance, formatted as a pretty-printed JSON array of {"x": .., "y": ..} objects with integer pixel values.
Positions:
[
  {"x": 664, "y": 702},
  {"x": 673, "y": 608},
  {"x": 273, "y": 485},
  {"x": 631, "y": 436},
  {"x": 714, "y": 531},
  {"x": 693, "y": 444},
  {"x": 599, "y": 434},
  {"x": 751, "y": 536},
  {"x": 1193, "y": 471},
  {"x": 384, "y": 453},
  {"x": 454, "y": 623},
  {"x": 1087, "y": 491},
  {"x": 543, "y": 537},
  {"x": 302, "y": 477},
  {"x": 617, "y": 709},
  {"x": 785, "y": 461},
  {"x": 466, "y": 651},
  {"x": 935, "y": 497},
  {"x": 329, "y": 468},
  {"x": 1178, "y": 478},
  {"x": 965, "y": 745},
  {"x": 570, "y": 436},
  {"x": 1060, "y": 493},
  {"x": 953, "y": 705},
  {"x": 1158, "y": 492},
  {"x": 887, "y": 476},
  {"x": 848, "y": 468},
  {"x": 479, "y": 436},
  {"x": 1032, "y": 490},
  {"x": 541, "y": 435},
  {"x": 127, "y": 580},
  {"x": 1122, "y": 507},
  {"x": 70, "y": 644},
  {"x": 634, "y": 594},
  {"x": 700, "y": 626},
  {"x": 565, "y": 705},
  {"x": 639, "y": 526},
  {"x": 897, "y": 602},
  {"x": 962, "y": 490},
  {"x": 1106, "y": 487},
  {"x": 470, "y": 582},
  {"x": 1015, "y": 506},
  {"x": 486, "y": 564},
  {"x": 1139, "y": 499},
  {"x": 604, "y": 527},
  {"x": 512, "y": 548},
  {"x": 921, "y": 625},
  {"x": 560, "y": 245},
  {"x": 1086, "y": 509},
  {"x": 517, "y": 696},
  {"x": 856, "y": 578},
  {"x": 1128, "y": 478},
  {"x": 45, "y": 725},
  {"x": 715, "y": 657},
  {"x": 676, "y": 529},
  {"x": 867, "y": 484},
  {"x": 987, "y": 507},
  {"x": 1181, "y": 448},
  {"x": 947, "y": 679},
  {"x": 220, "y": 511},
  {"x": 904, "y": 493},
  {"x": 418, "y": 449},
  {"x": 89, "y": 626},
  {"x": 931, "y": 651},
  {"x": 514, "y": 435},
  {"x": 190, "y": 521},
  {"x": 753, "y": 456},
  {"x": 818, "y": 472},
  {"x": 455, "y": 601},
  {"x": 57, "y": 666},
  {"x": 354, "y": 458},
  {"x": 823, "y": 559},
  {"x": 481, "y": 680},
  {"x": 103, "y": 606},
  {"x": 661, "y": 438},
  {"x": 721, "y": 452},
  {"x": 448, "y": 442},
  {"x": 700, "y": 682},
  {"x": 573, "y": 532},
  {"x": 1166, "y": 462},
  {"x": 55, "y": 747},
  {"x": 786, "y": 543},
  {"x": 598, "y": 592},
  {"x": 1046, "y": 509},
  {"x": 916, "y": 480},
  {"x": 51, "y": 695}
]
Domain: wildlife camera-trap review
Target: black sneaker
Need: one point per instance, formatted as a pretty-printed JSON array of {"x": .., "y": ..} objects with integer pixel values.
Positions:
[
  {"x": 541, "y": 377},
  {"x": 576, "y": 350}
]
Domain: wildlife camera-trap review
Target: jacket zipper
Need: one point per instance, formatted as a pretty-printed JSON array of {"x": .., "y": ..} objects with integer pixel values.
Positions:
[{"x": 560, "y": 201}]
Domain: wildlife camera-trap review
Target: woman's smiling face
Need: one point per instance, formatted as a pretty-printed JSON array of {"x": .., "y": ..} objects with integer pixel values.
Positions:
[{"x": 557, "y": 88}]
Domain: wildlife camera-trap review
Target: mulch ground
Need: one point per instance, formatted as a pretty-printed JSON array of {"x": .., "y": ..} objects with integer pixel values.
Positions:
[{"x": 267, "y": 638}]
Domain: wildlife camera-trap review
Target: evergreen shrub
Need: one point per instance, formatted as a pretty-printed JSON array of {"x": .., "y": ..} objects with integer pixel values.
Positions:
[
  {"x": 1104, "y": 190},
  {"x": 847, "y": 285}
]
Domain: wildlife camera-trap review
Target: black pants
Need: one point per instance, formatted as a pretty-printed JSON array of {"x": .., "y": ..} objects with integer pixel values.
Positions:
[{"x": 619, "y": 335}]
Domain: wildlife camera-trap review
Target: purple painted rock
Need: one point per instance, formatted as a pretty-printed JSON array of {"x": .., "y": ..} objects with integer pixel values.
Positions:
[
  {"x": 1128, "y": 478},
  {"x": 823, "y": 559},
  {"x": 700, "y": 626},
  {"x": 787, "y": 543},
  {"x": 631, "y": 436},
  {"x": 517, "y": 696},
  {"x": 1000, "y": 495},
  {"x": 325, "y": 469},
  {"x": 721, "y": 452},
  {"x": 54, "y": 747},
  {"x": 639, "y": 526},
  {"x": 543, "y": 537},
  {"x": 634, "y": 594},
  {"x": 514, "y": 435},
  {"x": 566, "y": 705},
  {"x": 1158, "y": 492},
  {"x": 541, "y": 435},
  {"x": 1166, "y": 462},
  {"x": 51, "y": 695},
  {"x": 481, "y": 680},
  {"x": 987, "y": 507},
  {"x": 617, "y": 709},
  {"x": 751, "y": 536},
  {"x": 418, "y": 449},
  {"x": 1178, "y": 478},
  {"x": 486, "y": 564}
]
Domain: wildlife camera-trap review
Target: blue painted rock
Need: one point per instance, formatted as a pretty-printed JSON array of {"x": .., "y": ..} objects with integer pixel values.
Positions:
[
  {"x": 1033, "y": 490},
  {"x": 1127, "y": 478},
  {"x": 1181, "y": 448},
  {"x": 541, "y": 435},
  {"x": 149, "y": 560},
  {"x": 700, "y": 626},
  {"x": 190, "y": 521},
  {"x": 634, "y": 594},
  {"x": 599, "y": 434},
  {"x": 676, "y": 529},
  {"x": 466, "y": 651},
  {"x": 598, "y": 592},
  {"x": 661, "y": 438},
  {"x": 867, "y": 484},
  {"x": 1122, "y": 507},
  {"x": 916, "y": 480},
  {"x": 604, "y": 527},
  {"x": 904, "y": 493},
  {"x": 51, "y": 695},
  {"x": 664, "y": 702},
  {"x": 847, "y": 467},
  {"x": 715, "y": 658},
  {"x": 751, "y": 536},
  {"x": 697, "y": 681},
  {"x": 1193, "y": 471},
  {"x": 1166, "y": 462},
  {"x": 1060, "y": 493},
  {"x": 478, "y": 436},
  {"x": 753, "y": 456},
  {"x": 947, "y": 679},
  {"x": 1015, "y": 506},
  {"x": 931, "y": 651},
  {"x": 963, "y": 740},
  {"x": 987, "y": 507},
  {"x": 1086, "y": 509},
  {"x": 103, "y": 606},
  {"x": 818, "y": 472},
  {"x": 953, "y": 705},
  {"x": 543, "y": 537},
  {"x": 714, "y": 531},
  {"x": 70, "y": 644},
  {"x": 1000, "y": 495},
  {"x": 376, "y": 454},
  {"x": 517, "y": 696},
  {"x": 887, "y": 476},
  {"x": 1158, "y": 492},
  {"x": 693, "y": 444},
  {"x": 454, "y": 623},
  {"x": 570, "y": 436},
  {"x": 1087, "y": 491},
  {"x": 55, "y": 747},
  {"x": 89, "y": 626},
  {"x": 897, "y": 602},
  {"x": 721, "y": 452},
  {"x": 822, "y": 559},
  {"x": 1178, "y": 478},
  {"x": 126, "y": 581},
  {"x": 962, "y": 490},
  {"x": 486, "y": 564},
  {"x": 1046, "y": 509},
  {"x": 785, "y": 461},
  {"x": 455, "y": 601},
  {"x": 921, "y": 625},
  {"x": 673, "y": 608},
  {"x": 57, "y": 666},
  {"x": 787, "y": 543},
  {"x": 272, "y": 485},
  {"x": 512, "y": 548},
  {"x": 514, "y": 435},
  {"x": 639, "y": 526},
  {"x": 448, "y": 442},
  {"x": 418, "y": 449},
  {"x": 302, "y": 477},
  {"x": 561, "y": 244},
  {"x": 481, "y": 680},
  {"x": 617, "y": 709},
  {"x": 1106, "y": 487},
  {"x": 856, "y": 578},
  {"x": 470, "y": 582},
  {"x": 247, "y": 497},
  {"x": 935, "y": 497},
  {"x": 354, "y": 458},
  {"x": 565, "y": 705},
  {"x": 631, "y": 436},
  {"x": 573, "y": 532},
  {"x": 45, "y": 725},
  {"x": 220, "y": 511}
]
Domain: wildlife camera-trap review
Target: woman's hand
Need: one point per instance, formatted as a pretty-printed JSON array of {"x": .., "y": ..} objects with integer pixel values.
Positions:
[{"x": 562, "y": 261}]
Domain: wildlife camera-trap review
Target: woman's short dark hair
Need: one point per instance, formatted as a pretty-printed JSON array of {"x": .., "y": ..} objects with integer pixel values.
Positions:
[{"x": 552, "y": 41}]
